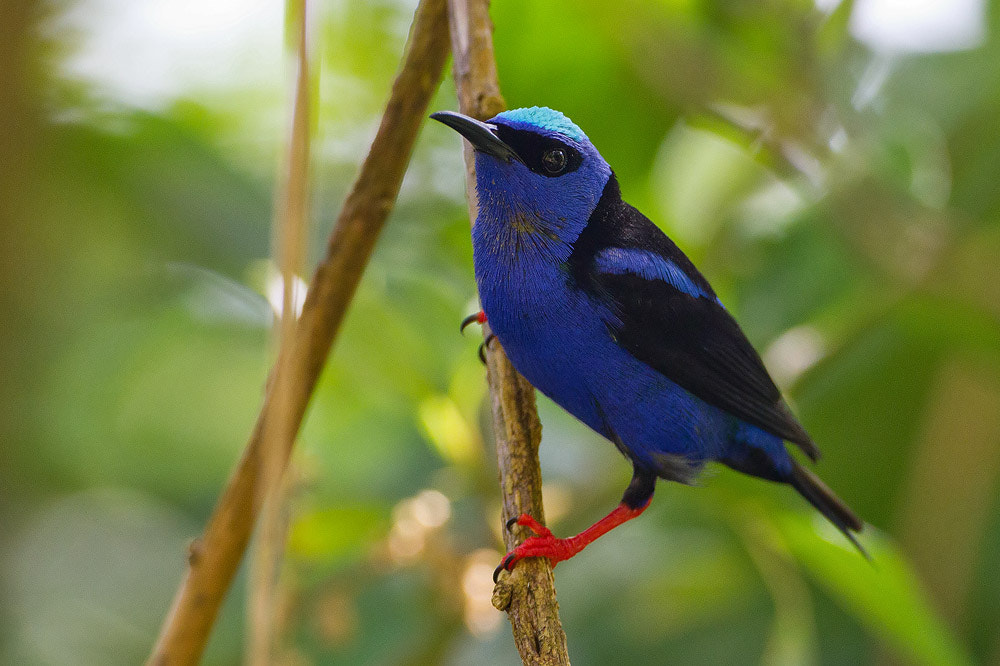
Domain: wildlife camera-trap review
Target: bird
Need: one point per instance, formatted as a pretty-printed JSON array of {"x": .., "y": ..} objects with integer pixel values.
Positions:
[{"x": 604, "y": 314}]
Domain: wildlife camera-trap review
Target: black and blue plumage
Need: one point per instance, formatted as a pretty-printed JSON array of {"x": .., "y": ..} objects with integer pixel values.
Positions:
[{"x": 604, "y": 314}]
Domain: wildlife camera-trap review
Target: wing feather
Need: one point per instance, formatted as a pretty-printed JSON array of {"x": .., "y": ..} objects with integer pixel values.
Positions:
[{"x": 678, "y": 327}]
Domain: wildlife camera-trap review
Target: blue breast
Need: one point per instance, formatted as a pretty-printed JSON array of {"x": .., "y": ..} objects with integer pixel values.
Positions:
[{"x": 557, "y": 337}]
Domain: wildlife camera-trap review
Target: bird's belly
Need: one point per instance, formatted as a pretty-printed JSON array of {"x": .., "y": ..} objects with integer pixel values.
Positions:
[
  {"x": 563, "y": 347},
  {"x": 548, "y": 342}
]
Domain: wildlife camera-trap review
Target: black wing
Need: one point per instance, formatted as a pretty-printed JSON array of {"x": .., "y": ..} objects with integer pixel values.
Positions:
[{"x": 673, "y": 322}]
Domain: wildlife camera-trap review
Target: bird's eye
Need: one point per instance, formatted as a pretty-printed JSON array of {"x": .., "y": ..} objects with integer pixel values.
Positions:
[{"x": 554, "y": 160}]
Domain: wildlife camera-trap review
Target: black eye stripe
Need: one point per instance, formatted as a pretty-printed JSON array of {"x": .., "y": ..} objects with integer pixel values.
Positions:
[{"x": 531, "y": 147}]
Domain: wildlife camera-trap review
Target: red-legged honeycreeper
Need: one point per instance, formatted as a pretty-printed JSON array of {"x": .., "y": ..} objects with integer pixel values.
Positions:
[{"x": 601, "y": 312}]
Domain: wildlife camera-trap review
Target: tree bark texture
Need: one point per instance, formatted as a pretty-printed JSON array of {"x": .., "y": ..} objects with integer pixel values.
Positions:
[{"x": 528, "y": 593}]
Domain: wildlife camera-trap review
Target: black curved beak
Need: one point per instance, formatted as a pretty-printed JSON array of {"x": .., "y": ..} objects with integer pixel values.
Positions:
[{"x": 481, "y": 135}]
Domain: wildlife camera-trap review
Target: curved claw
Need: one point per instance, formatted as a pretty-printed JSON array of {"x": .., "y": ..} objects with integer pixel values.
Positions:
[
  {"x": 476, "y": 318},
  {"x": 467, "y": 321},
  {"x": 483, "y": 345},
  {"x": 511, "y": 522},
  {"x": 505, "y": 565}
]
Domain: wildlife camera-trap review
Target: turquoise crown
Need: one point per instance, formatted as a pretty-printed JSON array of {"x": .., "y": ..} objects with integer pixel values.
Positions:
[{"x": 545, "y": 118}]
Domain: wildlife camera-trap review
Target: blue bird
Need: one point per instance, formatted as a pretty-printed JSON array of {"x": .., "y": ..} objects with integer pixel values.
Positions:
[{"x": 604, "y": 314}]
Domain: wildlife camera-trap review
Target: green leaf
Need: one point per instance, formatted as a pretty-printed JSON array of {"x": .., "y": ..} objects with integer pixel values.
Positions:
[{"x": 885, "y": 594}]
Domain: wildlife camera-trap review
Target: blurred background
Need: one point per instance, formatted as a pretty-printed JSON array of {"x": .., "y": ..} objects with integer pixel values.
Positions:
[{"x": 831, "y": 167}]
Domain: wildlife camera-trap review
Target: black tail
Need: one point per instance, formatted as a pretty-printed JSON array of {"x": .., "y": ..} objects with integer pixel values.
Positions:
[{"x": 820, "y": 496}]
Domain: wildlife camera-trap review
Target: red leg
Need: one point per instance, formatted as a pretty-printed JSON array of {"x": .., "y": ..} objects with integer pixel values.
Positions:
[{"x": 637, "y": 498}]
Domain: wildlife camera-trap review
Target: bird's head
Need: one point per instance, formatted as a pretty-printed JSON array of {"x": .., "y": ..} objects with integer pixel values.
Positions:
[{"x": 535, "y": 169}]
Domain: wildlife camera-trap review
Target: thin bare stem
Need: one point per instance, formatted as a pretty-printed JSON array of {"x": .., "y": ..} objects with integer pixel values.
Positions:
[
  {"x": 290, "y": 220},
  {"x": 214, "y": 558},
  {"x": 528, "y": 594}
]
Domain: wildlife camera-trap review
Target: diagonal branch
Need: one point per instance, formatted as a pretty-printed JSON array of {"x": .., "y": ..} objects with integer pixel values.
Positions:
[
  {"x": 528, "y": 594},
  {"x": 215, "y": 557}
]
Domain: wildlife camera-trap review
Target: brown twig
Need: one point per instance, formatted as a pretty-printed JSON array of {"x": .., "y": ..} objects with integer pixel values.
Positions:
[
  {"x": 215, "y": 557},
  {"x": 528, "y": 594}
]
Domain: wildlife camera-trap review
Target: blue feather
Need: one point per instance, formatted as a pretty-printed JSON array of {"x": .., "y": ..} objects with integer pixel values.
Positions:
[
  {"x": 643, "y": 263},
  {"x": 600, "y": 311},
  {"x": 542, "y": 118}
]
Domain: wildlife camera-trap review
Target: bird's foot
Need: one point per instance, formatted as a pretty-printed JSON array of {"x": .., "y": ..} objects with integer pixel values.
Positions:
[
  {"x": 543, "y": 544},
  {"x": 476, "y": 318},
  {"x": 483, "y": 346}
]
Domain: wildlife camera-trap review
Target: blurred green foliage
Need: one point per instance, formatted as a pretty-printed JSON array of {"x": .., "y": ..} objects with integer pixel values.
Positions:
[{"x": 840, "y": 194}]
